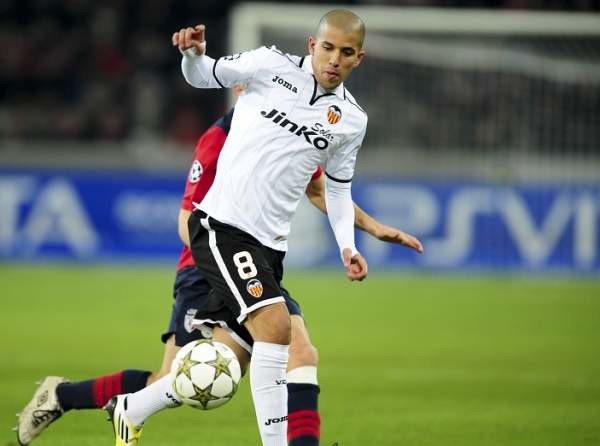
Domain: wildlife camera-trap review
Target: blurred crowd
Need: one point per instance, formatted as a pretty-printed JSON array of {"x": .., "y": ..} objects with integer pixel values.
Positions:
[
  {"x": 79, "y": 69},
  {"x": 85, "y": 70}
]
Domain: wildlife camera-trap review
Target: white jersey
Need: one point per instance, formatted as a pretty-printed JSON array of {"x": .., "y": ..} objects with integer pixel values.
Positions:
[{"x": 284, "y": 125}]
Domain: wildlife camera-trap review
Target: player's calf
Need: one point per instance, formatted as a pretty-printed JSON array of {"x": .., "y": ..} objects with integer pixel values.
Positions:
[
  {"x": 304, "y": 421},
  {"x": 270, "y": 328},
  {"x": 302, "y": 354},
  {"x": 95, "y": 393}
]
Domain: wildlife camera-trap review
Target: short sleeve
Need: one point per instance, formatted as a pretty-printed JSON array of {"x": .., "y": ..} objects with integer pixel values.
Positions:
[
  {"x": 204, "y": 167},
  {"x": 341, "y": 163},
  {"x": 317, "y": 174}
]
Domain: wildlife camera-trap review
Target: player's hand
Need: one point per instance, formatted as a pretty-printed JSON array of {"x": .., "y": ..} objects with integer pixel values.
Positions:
[
  {"x": 356, "y": 266},
  {"x": 187, "y": 38},
  {"x": 394, "y": 235}
]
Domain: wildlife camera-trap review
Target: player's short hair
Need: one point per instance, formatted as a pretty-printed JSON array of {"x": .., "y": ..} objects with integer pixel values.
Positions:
[{"x": 345, "y": 20}]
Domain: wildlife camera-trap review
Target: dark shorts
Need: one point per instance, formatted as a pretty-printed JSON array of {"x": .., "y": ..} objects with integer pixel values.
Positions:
[
  {"x": 243, "y": 273},
  {"x": 216, "y": 313},
  {"x": 192, "y": 293}
]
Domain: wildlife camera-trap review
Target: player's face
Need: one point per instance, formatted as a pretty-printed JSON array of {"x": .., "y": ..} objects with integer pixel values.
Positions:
[{"x": 335, "y": 53}]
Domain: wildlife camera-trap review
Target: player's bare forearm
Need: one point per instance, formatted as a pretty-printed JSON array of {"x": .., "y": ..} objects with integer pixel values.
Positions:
[
  {"x": 383, "y": 232},
  {"x": 315, "y": 192},
  {"x": 365, "y": 222},
  {"x": 182, "y": 226}
]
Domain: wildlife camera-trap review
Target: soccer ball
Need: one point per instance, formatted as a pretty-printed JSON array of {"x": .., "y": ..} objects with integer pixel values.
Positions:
[{"x": 205, "y": 374}]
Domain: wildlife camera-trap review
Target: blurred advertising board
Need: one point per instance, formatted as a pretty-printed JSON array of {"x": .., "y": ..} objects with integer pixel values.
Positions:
[{"x": 102, "y": 216}]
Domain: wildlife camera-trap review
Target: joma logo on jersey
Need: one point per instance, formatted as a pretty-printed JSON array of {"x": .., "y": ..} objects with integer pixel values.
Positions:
[
  {"x": 284, "y": 83},
  {"x": 311, "y": 135}
]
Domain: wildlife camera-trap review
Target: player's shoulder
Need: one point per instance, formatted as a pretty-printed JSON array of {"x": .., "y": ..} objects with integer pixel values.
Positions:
[
  {"x": 355, "y": 107},
  {"x": 278, "y": 56},
  {"x": 358, "y": 116},
  {"x": 269, "y": 54}
]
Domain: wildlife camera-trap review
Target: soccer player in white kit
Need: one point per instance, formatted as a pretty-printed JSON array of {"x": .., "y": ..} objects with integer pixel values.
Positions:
[{"x": 294, "y": 115}]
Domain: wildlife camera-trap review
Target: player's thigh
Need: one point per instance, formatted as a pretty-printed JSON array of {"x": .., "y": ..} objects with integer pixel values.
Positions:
[
  {"x": 169, "y": 354},
  {"x": 302, "y": 351},
  {"x": 223, "y": 336}
]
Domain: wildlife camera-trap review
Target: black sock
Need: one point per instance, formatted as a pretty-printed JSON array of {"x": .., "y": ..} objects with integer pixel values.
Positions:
[
  {"x": 95, "y": 393},
  {"x": 304, "y": 422}
]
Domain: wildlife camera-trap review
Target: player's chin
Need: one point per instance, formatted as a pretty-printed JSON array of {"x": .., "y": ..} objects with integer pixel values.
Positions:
[{"x": 331, "y": 82}]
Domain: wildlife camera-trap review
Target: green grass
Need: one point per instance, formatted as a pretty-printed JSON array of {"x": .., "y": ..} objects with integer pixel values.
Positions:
[{"x": 405, "y": 359}]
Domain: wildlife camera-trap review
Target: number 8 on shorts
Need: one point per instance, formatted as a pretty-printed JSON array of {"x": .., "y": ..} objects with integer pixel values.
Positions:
[{"x": 245, "y": 265}]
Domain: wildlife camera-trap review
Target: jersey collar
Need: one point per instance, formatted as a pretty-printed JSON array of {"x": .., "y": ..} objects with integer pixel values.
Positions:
[{"x": 339, "y": 90}]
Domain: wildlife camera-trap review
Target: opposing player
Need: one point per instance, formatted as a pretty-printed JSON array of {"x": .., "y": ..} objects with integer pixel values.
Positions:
[
  {"x": 294, "y": 115},
  {"x": 56, "y": 396}
]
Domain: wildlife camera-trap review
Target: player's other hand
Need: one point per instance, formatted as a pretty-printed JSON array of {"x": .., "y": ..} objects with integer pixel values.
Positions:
[
  {"x": 187, "y": 38},
  {"x": 356, "y": 266},
  {"x": 393, "y": 235}
]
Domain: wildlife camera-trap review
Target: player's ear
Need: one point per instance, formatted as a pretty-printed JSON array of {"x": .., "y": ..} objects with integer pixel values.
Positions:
[
  {"x": 359, "y": 58},
  {"x": 312, "y": 42}
]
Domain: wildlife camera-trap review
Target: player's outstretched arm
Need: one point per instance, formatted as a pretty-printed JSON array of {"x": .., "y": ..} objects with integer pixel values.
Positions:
[
  {"x": 196, "y": 66},
  {"x": 202, "y": 71},
  {"x": 385, "y": 233},
  {"x": 315, "y": 192}
]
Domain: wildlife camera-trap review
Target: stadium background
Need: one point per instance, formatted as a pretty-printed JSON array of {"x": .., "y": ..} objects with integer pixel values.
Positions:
[{"x": 483, "y": 142}]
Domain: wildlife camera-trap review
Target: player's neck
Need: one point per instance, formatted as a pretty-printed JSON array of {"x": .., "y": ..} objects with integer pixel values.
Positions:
[{"x": 327, "y": 90}]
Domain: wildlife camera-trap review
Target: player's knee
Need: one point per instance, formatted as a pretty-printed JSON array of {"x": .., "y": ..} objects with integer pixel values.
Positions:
[
  {"x": 271, "y": 324},
  {"x": 280, "y": 332}
]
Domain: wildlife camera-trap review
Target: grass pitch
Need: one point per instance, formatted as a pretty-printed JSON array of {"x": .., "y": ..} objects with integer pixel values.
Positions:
[{"x": 405, "y": 359}]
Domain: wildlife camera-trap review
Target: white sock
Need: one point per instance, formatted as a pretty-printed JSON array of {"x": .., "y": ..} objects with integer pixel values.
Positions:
[
  {"x": 306, "y": 374},
  {"x": 269, "y": 391},
  {"x": 146, "y": 402}
]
